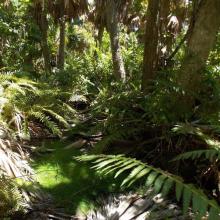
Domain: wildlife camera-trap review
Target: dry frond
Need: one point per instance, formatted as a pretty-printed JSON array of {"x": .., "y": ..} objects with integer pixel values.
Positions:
[{"x": 14, "y": 161}]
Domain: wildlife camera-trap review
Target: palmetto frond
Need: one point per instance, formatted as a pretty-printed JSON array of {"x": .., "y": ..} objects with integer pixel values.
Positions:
[
  {"x": 160, "y": 180},
  {"x": 22, "y": 101},
  {"x": 14, "y": 161},
  {"x": 72, "y": 8},
  {"x": 101, "y": 7}
]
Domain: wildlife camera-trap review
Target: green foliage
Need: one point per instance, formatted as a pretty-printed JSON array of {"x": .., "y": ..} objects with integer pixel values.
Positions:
[
  {"x": 160, "y": 180},
  {"x": 119, "y": 113},
  {"x": 133, "y": 57},
  {"x": 209, "y": 154},
  {"x": 73, "y": 186},
  {"x": 23, "y": 100},
  {"x": 10, "y": 198}
]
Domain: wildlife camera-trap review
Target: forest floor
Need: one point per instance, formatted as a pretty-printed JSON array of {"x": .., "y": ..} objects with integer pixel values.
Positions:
[{"x": 74, "y": 187}]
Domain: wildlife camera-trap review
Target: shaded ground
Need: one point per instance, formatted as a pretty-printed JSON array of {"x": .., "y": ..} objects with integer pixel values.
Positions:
[{"x": 73, "y": 186}]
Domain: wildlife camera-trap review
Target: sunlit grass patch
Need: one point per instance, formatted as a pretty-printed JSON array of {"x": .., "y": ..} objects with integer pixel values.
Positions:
[{"x": 73, "y": 186}]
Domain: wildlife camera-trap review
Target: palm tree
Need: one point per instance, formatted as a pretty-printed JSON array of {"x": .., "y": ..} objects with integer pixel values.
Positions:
[
  {"x": 63, "y": 11},
  {"x": 40, "y": 14},
  {"x": 164, "y": 21},
  {"x": 200, "y": 42},
  {"x": 108, "y": 14},
  {"x": 150, "y": 61}
]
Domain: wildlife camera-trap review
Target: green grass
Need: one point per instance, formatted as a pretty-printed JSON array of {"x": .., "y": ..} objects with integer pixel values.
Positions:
[{"x": 74, "y": 186}]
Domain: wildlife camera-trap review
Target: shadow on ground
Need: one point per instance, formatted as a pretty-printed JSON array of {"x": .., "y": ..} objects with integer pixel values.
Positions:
[{"x": 73, "y": 185}]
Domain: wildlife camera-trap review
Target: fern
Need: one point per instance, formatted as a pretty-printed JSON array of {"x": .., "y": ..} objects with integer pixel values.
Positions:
[
  {"x": 47, "y": 121},
  {"x": 209, "y": 154},
  {"x": 30, "y": 100},
  {"x": 160, "y": 180},
  {"x": 10, "y": 198},
  {"x": 58, "y": 117}
]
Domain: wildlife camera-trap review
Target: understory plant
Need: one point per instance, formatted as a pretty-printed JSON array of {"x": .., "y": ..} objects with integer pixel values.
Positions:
[
  {"x": 162, "y": 182},
  {"x": 11, "y": 199},
  {"x": 192, "y": 141},
  {"x": 23, "y": 101}
]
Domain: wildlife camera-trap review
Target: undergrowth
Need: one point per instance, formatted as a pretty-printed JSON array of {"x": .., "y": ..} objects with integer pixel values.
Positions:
[
  {"x": 161, "y": 181},
  {"x": 73, "y": 185}
]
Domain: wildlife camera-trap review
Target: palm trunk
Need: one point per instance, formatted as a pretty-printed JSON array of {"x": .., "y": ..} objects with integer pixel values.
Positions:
[
  {"x": 44, "y": 45},
  {"x": 200, "y": 43},
  {"x": 113, "y": 29},
  {"x": 61, "y": 56},
  {"x": 150, "y": 61},
  {"x": 61, "y": 51},
  {"x": 1, "y": 52}
]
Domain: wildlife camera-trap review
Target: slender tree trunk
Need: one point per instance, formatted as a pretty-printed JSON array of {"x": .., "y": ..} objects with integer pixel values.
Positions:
[
  {"x": 61, "y": 55},
  {"x": 113, "y": 29},
  {"x": 44, "y": 45},
  {"x": 165, "y": 10},
  {"x": 1, "y": 52},
  {"x": 200, "y": 43},
  {"x": 151, "y": 45},
  {"x": 62, "y": 23},
  {"x": 166, "y": 38}
]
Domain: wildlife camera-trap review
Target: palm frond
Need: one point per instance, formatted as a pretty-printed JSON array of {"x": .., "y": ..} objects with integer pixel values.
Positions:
[
  {"x": 160, "y": 180},
  {"x": 13, "y": 160}
]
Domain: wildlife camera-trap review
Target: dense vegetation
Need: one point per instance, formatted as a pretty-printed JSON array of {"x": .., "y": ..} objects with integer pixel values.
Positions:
[{"x": 109, "y": 96}]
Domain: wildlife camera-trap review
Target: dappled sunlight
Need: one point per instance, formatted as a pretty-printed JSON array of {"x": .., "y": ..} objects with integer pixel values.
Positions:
[
  {"x": 100, "y": 99},
  {"x": 73, "y": 185}
]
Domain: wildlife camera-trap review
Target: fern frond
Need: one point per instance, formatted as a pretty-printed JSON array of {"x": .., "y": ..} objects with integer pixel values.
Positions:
[
  {"x": 209, "y": 154},
  {"x": 160, "y": 180},
  {"x": 58, "y": 117},
  {"x": 188, "y": 128},
  {"x": 46, "y": 120},
  {"x": 68, "y": 108},
  {"x": 10, "y": 198}
]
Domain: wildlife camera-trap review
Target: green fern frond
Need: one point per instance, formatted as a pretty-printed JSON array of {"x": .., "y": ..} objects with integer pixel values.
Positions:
[
  {"x": 29, "y": 87},
  {"x": 69, "y": 109},
  {"x": 10, "y": 198},
  {"x": 14, "y": 87},
  {"x": 209, "y": 154},
  {"x": 58, "y": 117},
  {"x": 46, "y": 120},
  {"x": 160, "y": 180},
  {"x": 187, "y": 128}
]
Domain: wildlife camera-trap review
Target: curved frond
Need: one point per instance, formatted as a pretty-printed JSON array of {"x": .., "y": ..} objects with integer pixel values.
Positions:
[
  {"x": 46, "y": 120},
  {"x": 160, "y": 180},
  {"x": 209, "y": 154}
]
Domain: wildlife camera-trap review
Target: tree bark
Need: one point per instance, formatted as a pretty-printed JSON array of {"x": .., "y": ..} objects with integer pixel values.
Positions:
[
  {"x": 1, "y": 52},
  {"x": 61, "y": 55},
  {"x": 113, "y": 29},
  {"x": 61, "y": 52},
  {"x": 151, "y": 45},
  {"x": 44, "y": 45},
  {"x": 200, "y": 43},
  {"x": 166, "y": 37}
]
